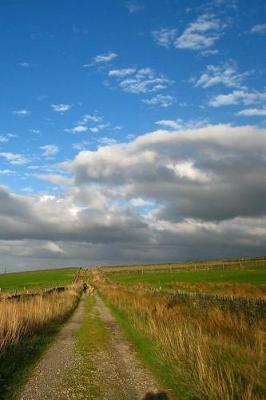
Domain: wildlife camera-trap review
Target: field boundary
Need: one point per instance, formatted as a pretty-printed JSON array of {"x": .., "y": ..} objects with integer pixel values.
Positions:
[
  {"x": 252, "y": 308},
  {"x": 186, "y": 266},
  {"x": 29, "y": 294}
]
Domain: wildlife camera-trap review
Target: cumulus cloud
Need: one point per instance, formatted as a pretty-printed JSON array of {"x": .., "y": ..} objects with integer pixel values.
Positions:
[
  {"x": 192, "y": 174},
  {"x": 56, "y": 179},
  {"x": 172, "y": 195}
]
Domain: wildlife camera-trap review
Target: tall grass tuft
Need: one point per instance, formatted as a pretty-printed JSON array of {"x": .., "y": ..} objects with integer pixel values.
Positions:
[{"x": 26, "y": 316}]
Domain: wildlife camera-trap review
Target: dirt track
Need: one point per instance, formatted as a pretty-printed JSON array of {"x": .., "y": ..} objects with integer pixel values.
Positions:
[{"x": 113, "y": 371}]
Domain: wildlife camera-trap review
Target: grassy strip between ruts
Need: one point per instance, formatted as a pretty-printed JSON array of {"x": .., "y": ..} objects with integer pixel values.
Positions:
[
  {"x": 149, "y": 354},
  {"x": 17, "y": 361},
  {"x": 92, "y": 336}
]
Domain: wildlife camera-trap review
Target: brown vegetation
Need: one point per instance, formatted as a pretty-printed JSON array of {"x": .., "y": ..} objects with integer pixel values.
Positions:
[
  {"x": 216, "y": 354},
  {"x": 26, "y": 315}
]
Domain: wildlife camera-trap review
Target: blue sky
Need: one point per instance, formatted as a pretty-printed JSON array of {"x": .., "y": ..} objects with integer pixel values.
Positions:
[{"x": 80, "y": 78}]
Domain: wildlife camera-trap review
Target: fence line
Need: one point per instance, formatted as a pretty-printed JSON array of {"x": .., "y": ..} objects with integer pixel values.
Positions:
[{"x": 226, "y": 264}]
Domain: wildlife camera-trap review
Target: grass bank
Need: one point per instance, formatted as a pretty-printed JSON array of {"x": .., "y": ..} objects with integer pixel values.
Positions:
[{"x": 27, "y": 327}]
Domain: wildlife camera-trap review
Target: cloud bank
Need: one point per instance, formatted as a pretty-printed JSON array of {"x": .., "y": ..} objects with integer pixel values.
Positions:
[{"x": 166, "y": 195}]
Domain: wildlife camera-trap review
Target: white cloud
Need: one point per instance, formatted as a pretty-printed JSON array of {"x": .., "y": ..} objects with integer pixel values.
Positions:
[
  {"x": 142, "y": 80},
  {"x": 90, "y": 118},
  {"x": 61, "y": 108},
  {"x": 140, "y": 202},
  {"x": 98, "y": 128},
  {"x": 122, "y": 72},
  {"x": 201, "y": 34},
  {"x": 181, "y": 124},
  {"x": 22, "y": 113},
  {"x": 259, "y": 28},
  {"x": 226, "y": 75},
  {"x": 6, "y": 172},
  {"x": 167, "y": 123},
  {"x": 164, "y": 37},
  {"x": 188, "y": 170},
  {"x": 78, "y": 129},
  {"x": 160, "y": 100},
  {"x": 24, "y": 64},
  {"x": 133, "y": 6},
  {"x": 104, "y": 58},
  {"x": 89, "y": 122},
  {"x": 238, "y": 97},
  {"x": 107, "y": 141},
  {"x": 4, "y": 139},
  {"x": 253, "y": 112},
  {"x": 49, "y": 150},
  {"x": 28, "y": 189},
  {"x": 14, "y": 158},
  {"x": 209, "y": 52},
  {"x": 53, "y": 248},
  {"x": 81, "y": 145}
]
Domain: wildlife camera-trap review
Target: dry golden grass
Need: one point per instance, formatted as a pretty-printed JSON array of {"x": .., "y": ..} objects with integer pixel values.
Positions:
[
  {"x": 20, "y": 318},
  {"x": 217, "y": 355}
]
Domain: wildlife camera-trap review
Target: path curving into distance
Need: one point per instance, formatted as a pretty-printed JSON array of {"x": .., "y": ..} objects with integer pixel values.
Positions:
[{"x": 98, "y": 363}]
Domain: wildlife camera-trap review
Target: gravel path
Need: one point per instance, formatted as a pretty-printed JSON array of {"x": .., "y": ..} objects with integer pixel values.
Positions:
[
  {"x": 48, "y": 378},
  {"x": 116, "y": 373}
]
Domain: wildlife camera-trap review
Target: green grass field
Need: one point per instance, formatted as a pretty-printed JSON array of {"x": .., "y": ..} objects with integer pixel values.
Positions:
[
  {"x": 37, "y": 279},
  {"x": 251, "y": 274}
]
